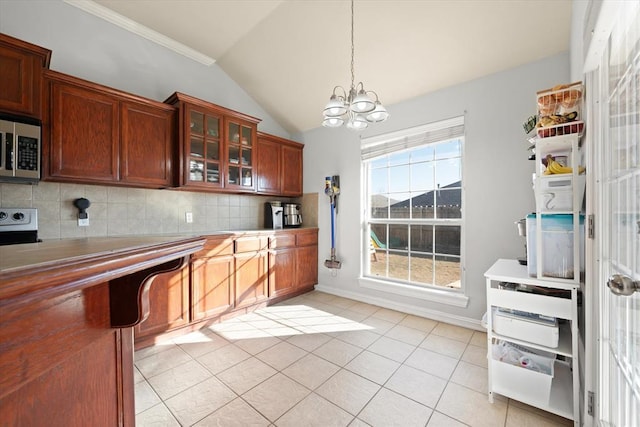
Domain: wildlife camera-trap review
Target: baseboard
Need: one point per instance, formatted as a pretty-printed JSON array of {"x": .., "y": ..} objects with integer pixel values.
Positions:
[{"x": 439, "y": 316}]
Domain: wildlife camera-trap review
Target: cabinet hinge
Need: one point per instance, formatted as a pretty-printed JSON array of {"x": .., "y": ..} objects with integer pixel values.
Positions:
[
  {"x": 591, "y": 226},
  {"x": 590, "y": 402}
]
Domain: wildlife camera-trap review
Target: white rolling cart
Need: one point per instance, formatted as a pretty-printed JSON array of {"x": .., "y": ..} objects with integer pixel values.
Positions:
[
  {"x": 559, "y": 393},
  {"x": 531, "y": 308}
]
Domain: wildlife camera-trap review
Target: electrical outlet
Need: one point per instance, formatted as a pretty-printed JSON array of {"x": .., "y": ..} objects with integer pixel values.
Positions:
[
  {"x": 83, "y": 222},
  {"x": 188, "y": 217}
]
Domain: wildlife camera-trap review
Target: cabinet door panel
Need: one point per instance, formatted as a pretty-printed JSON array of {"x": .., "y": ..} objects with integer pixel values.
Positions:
[
  {"x": 146, "y": 145},
  {"x": 291, "y": 171},
  {"x": 168, "y": 303},
  {"x": 251, "y": 278},
  {"x": 212, "y": 281},
  {"x": 268, "y": 166},
  {"x": 307, "y": 266},
  {"x": 84, "y": 134},
  {"x": 21, "y": 68},
  {"x": 282, "y": 272}
]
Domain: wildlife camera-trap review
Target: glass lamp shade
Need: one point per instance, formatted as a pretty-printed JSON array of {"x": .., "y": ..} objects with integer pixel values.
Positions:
[
  {"x": 379, "y": 114},
  {"x": 332, "y": 122},
  {"x": 335, "y": 107},
  {"x": 362, "y": 103},
  {"x": 357, "y": 122}
]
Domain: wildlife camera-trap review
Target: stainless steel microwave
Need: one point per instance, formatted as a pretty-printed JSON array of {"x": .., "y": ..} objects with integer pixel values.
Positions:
[{"x": 20, "y": 146}]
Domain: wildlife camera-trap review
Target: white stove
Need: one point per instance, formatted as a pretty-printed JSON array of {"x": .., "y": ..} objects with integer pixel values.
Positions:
[{"x": 18, "y": 225}]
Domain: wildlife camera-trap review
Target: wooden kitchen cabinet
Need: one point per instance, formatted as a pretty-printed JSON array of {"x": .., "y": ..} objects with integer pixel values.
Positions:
[
  {"x": 21, "y": 68},
  {"x": 102, "y": 136},
  {"x": 278, "y": 166},
  {"x": 168, "y": 304},
  {"x": 307, "y": 257},
  {"x": 251, "y": 260},
  {"x": 293, "y": 261},
  {"x": 216, "y": 146},
  {"x": 212, "y": 279}
]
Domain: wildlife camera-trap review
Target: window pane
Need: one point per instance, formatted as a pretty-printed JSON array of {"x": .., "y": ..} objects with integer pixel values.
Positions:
[
  {"x": 448, "y": 149},
  {"x": 421, "y": 238},
  {"x": 399, "y": 178},
  {"x": 448, "y": 272},
  {"x": 422, "y": 177},
  {"x": 379, "y": 264},
  {"x": 447, "y": 239},
  {"x": 422, "y": 154},
  {"x": 422, "y": 205},
  {"x": 399, "y": 237},
  {"x": 379, "y": 236},
  {"x": 448, "y": 172},
  {"x": 422, "y": 268},
  {"x": 400, "y": 203},
  {"x": 401, "y": 158},
  {"x": 379, "y": 183},
  {"x": 379, "y": 206},
  {"x": 399, "y": 266},
  {"x": 449, "y": 204},
  {"x": 380, "y": 162}
]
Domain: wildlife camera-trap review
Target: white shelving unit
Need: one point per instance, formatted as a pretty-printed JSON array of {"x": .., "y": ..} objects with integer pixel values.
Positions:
[
  {"x": 562, "y": 398},
  {"x": 519, "y": 366}
]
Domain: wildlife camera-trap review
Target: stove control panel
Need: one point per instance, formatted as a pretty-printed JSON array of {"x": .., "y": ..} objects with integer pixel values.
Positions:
[{"x": 18, "y": 219}]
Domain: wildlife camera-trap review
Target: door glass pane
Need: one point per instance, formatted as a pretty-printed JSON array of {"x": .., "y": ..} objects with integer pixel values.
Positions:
[
  {"x": 213, "y": 173},
  {"x": 234, "y": 175},
  {"x": 246, "y": 156},
  {"x": 196, "y": 170},
  {"x": 213, "y": 129},
  {"x": 197, "y": 147},
  {"x": 213, "y": 150},
  {"x": 234, "y": 132},
  {"x": 197, "y": 123},
  {"x": 246, "y": 135},
  {"x": 234, "y": 155},
  {"x": 247, "y": 178}
]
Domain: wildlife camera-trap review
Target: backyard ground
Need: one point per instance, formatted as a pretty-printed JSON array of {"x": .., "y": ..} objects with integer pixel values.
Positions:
[{"x": 447, "y": 272}]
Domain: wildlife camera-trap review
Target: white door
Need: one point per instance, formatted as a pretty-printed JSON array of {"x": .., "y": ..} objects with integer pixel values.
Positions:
[{"x": 619, "y": 246}]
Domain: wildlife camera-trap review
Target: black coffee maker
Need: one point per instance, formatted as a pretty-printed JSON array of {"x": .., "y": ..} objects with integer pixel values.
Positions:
[{"x": 273, "y": 215}]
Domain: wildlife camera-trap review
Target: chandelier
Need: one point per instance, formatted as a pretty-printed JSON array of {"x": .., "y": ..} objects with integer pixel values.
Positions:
[{"x": 356, "y": 108}]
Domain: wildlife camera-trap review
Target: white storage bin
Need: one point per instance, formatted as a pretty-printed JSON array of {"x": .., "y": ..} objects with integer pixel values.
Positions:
[
  {"x": 534, "y": 328},
  {"x": 557, "y": 245},
  {"x": 523, "y": 371},
  {"x": 556, "y": 192}
]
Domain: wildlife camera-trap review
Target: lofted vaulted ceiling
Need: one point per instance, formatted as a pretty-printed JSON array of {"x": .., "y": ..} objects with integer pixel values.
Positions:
[{"x": 289, "y": 54}]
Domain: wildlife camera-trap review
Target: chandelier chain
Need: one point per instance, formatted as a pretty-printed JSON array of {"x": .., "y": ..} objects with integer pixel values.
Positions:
[{"x": 352, "y": 50}]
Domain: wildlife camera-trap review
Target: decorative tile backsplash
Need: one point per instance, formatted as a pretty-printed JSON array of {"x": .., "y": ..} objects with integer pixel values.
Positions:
[{"x": 118, "y": 211}]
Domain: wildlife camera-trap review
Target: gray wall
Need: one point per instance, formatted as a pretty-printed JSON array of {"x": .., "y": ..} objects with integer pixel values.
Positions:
[{"x": 496, "y": 174}]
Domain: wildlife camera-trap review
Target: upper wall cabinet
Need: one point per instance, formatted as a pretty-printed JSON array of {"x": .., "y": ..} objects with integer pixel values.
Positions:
[
  {"x": 279, "y": 166},
  {"x": 216, "y": 146},
  {"x": 99, "y": 135},
  {"x": 21, "y": 68}
]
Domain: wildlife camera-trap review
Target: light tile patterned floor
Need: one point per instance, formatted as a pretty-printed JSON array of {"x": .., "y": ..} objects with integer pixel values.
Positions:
[{"x": 322, "y": 360}]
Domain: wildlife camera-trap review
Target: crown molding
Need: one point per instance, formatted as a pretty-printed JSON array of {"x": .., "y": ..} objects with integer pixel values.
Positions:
[{"x": 109, "y": 15}]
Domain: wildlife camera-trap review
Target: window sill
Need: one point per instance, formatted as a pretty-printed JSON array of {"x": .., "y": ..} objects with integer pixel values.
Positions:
[{"x": 456, "y": 299}]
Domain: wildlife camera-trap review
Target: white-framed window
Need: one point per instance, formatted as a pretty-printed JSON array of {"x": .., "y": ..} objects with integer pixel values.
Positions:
[{"x": 413, "y": 204}]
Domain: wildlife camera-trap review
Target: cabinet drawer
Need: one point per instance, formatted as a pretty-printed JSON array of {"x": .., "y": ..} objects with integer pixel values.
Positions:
[
  {"x": 541, "y": 304},
  {"x": 250, "y": 244},
  {"x": 307, "y": 238},
  {"x": 282, "y": 241},
  {"x": 216, "y": 247}
]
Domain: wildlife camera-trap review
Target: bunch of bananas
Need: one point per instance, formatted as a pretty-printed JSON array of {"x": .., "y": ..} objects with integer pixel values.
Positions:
[{"x": 554, "y": 167}]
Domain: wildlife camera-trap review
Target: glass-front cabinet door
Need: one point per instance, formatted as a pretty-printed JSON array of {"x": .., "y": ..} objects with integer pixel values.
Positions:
[
  {"x": 240, "y": 144},
  {"x": 204, "y": 148}
]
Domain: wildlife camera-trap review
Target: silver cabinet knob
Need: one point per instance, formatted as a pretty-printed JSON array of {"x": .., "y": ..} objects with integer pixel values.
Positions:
[{"x": 623, "y": 285}]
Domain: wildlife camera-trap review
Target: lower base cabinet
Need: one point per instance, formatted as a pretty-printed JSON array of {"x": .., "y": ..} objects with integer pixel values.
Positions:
[{"x": 231, "y": 274}]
